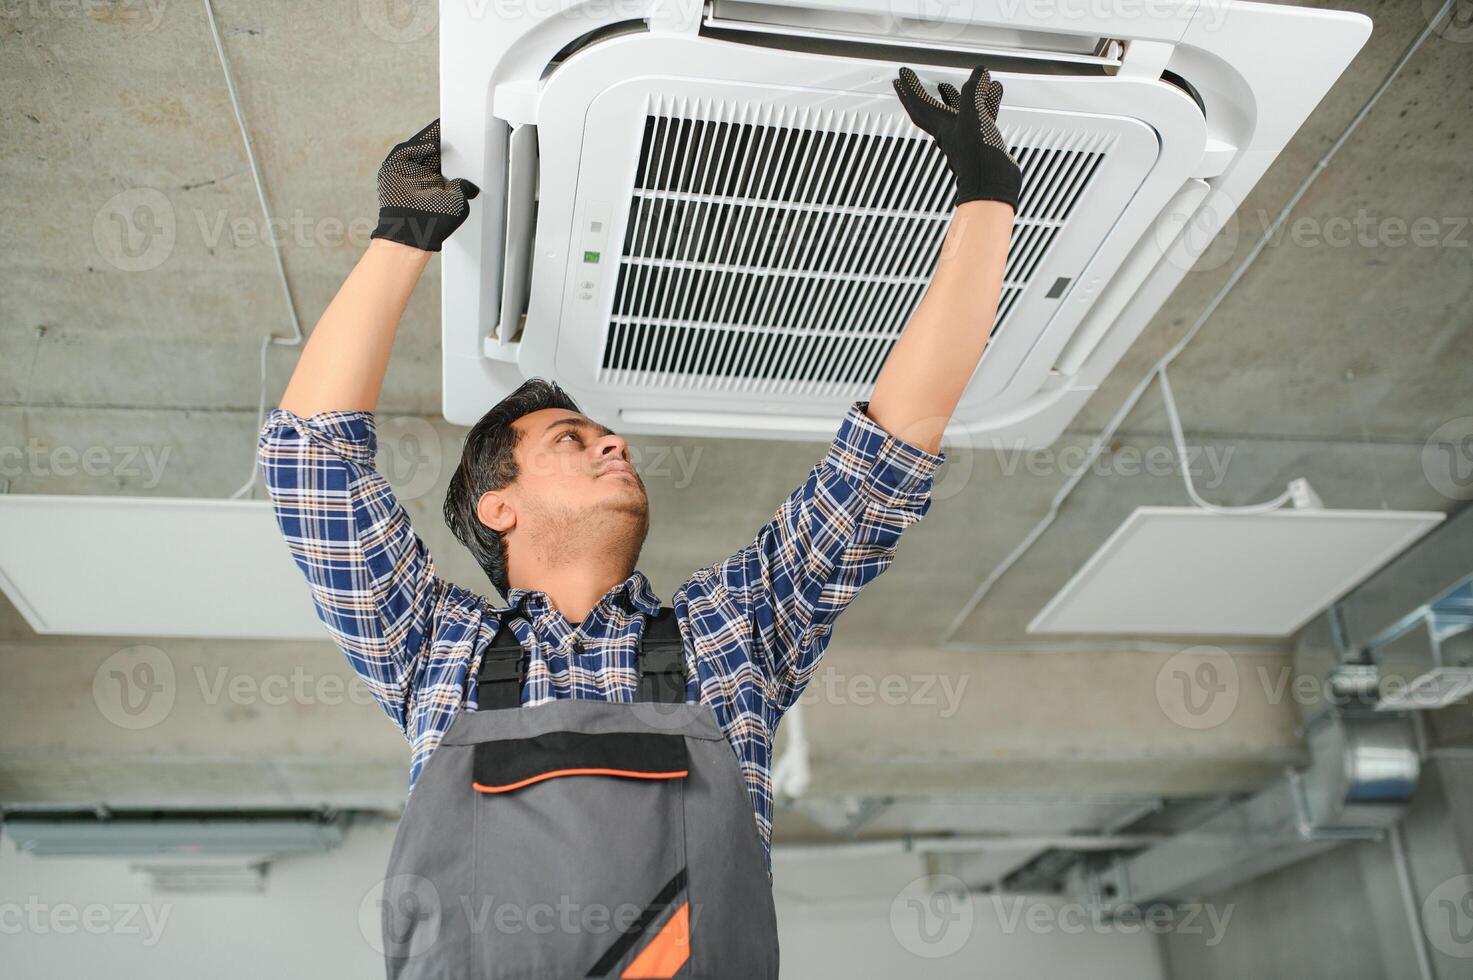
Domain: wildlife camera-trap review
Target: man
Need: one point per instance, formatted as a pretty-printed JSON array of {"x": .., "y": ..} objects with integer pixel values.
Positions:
[{"x": 579, "y": 750}]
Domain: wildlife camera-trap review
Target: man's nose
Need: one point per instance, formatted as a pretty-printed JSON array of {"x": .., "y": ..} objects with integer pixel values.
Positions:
[{"x": 612, "y": 445}]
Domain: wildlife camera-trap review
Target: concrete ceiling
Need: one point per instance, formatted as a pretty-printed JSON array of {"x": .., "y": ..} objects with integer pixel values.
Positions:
[{"x": 1336, "y": 363}]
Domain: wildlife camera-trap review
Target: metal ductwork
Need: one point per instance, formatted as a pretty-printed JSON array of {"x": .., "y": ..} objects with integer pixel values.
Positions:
[
  {"x": 1363, "y": 772},
  {"x": 1425, "y": 659}
]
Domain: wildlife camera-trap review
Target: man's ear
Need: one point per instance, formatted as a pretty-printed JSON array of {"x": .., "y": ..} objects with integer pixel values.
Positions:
[{"x": 494, "y": 512}]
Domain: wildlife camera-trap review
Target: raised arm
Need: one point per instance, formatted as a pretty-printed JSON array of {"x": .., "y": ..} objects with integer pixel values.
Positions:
[
  {"x": 342, "y": 367},
  {"x": 371, "y": 578},
  {"x": 931, "y": 363}
]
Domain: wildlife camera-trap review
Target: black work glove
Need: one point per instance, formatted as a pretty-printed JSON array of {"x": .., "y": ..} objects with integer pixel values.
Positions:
[
  {"x": 965, "y": 127},
  {"x": 418, "y": 207}
]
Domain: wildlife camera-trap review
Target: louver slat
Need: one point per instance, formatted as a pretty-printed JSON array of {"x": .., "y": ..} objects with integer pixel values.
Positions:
[{"x": 775, "y": 252}]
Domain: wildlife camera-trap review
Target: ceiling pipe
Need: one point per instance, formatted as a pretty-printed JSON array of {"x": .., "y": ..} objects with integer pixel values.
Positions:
[{"x": 1363, "y": 772}]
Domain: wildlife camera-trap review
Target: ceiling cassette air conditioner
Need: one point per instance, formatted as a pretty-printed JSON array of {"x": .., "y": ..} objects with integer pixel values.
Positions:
[{"x": 716, "y": 219}]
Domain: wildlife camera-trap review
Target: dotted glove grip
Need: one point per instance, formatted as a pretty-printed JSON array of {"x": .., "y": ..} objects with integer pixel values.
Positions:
[
  {"x": 964, "y": 125},
  {"x": 418, "y": 207}
]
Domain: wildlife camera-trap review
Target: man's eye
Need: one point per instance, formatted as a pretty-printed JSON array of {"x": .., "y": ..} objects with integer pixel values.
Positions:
[{"x": 568, "y": 435}]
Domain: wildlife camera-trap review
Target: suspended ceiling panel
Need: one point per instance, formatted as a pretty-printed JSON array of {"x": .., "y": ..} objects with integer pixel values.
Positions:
[
  {"x": 146, "y": 566},
  {"x": 1189, "y": 571}
]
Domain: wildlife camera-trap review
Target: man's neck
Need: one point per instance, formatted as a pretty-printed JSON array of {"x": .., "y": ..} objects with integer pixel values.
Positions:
[{"x": 575, "y": 588}]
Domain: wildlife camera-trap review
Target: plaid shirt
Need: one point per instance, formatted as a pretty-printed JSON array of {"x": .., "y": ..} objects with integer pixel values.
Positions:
[{"x": 754, "y": 624}]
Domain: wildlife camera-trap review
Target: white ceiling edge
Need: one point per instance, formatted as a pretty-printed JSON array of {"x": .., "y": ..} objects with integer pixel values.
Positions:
[
  {"x": 152, "y": 566},
  {"x": 1190, "y": 571}
]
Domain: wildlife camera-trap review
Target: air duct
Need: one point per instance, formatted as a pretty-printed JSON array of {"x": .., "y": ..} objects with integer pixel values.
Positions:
[{"x": 1363, "y": 771}]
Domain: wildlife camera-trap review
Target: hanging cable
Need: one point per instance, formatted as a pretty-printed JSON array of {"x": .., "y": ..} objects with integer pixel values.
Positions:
[
  {"x": 1100, "y": 441},
  {"x": 1186, "y": 469},
  {"x": 296, "y": 337}
]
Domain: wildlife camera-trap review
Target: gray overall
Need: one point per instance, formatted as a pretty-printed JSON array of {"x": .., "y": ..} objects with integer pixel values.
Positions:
[{"x": 580, "y": 838}]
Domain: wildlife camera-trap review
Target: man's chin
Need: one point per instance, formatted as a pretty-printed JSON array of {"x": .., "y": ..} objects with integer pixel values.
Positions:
[{"x": 630, "y": 500}]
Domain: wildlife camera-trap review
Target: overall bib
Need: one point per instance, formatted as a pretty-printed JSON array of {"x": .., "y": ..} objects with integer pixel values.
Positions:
[{"x": 580, "y": 838}]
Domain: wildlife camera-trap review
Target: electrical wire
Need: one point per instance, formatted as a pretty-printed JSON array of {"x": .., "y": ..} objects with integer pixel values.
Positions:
[
  {"x": 1136, "y": 393},
  {"x": 1186, "y": 470},
  {"x": 296, "y": 337}
]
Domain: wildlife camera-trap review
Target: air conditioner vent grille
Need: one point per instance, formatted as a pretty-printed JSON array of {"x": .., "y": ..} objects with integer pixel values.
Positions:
[{"x": 782, "y": 251}]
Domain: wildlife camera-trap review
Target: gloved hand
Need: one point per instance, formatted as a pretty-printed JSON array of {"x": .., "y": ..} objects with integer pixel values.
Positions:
[
  {"x": 965, "y": 127},
  {"x": 418, "y": 207}
]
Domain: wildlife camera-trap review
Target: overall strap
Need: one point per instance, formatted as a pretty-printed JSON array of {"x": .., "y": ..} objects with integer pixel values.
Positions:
[
  {"x": 661, "y": 664},
  {"x": 662, "y": 660},
  {"x": 503, "y": 667}
]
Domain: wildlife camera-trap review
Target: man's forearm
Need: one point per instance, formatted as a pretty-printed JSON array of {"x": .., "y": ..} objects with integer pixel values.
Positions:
[
  {"x": 342, "y": 367},
  {"x": 931, "y": 363}
]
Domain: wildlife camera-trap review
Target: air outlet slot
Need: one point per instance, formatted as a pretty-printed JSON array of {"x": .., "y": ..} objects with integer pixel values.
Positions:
[{"x": 772, "y": 254}]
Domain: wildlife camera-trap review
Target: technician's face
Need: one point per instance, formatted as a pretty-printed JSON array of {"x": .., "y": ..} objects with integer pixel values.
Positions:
[{"x": 571, "y": 468}]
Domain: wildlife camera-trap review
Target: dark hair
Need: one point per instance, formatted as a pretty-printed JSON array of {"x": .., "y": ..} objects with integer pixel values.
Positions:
[{"x": 488, "y": 463}]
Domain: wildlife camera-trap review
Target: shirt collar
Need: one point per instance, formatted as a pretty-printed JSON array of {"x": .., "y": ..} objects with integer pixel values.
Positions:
[{"x": 634, "y": 593}]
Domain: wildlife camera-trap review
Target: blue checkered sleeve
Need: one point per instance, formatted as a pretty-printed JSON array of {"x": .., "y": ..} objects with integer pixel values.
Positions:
[
  {"x": 834, "y": 533},
  {"x": 371, "y": 577}
]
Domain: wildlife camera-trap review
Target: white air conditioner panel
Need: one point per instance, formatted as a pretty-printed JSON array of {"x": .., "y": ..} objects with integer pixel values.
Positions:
[
  {"x": 1129, "y": 130},
  {"x": 786, "y": 216}
]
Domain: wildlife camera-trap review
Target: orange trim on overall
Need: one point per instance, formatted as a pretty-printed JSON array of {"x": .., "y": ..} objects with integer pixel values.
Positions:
[
  {"x": 666, "y": 953},
  {"x": 628, "y": 773}
]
